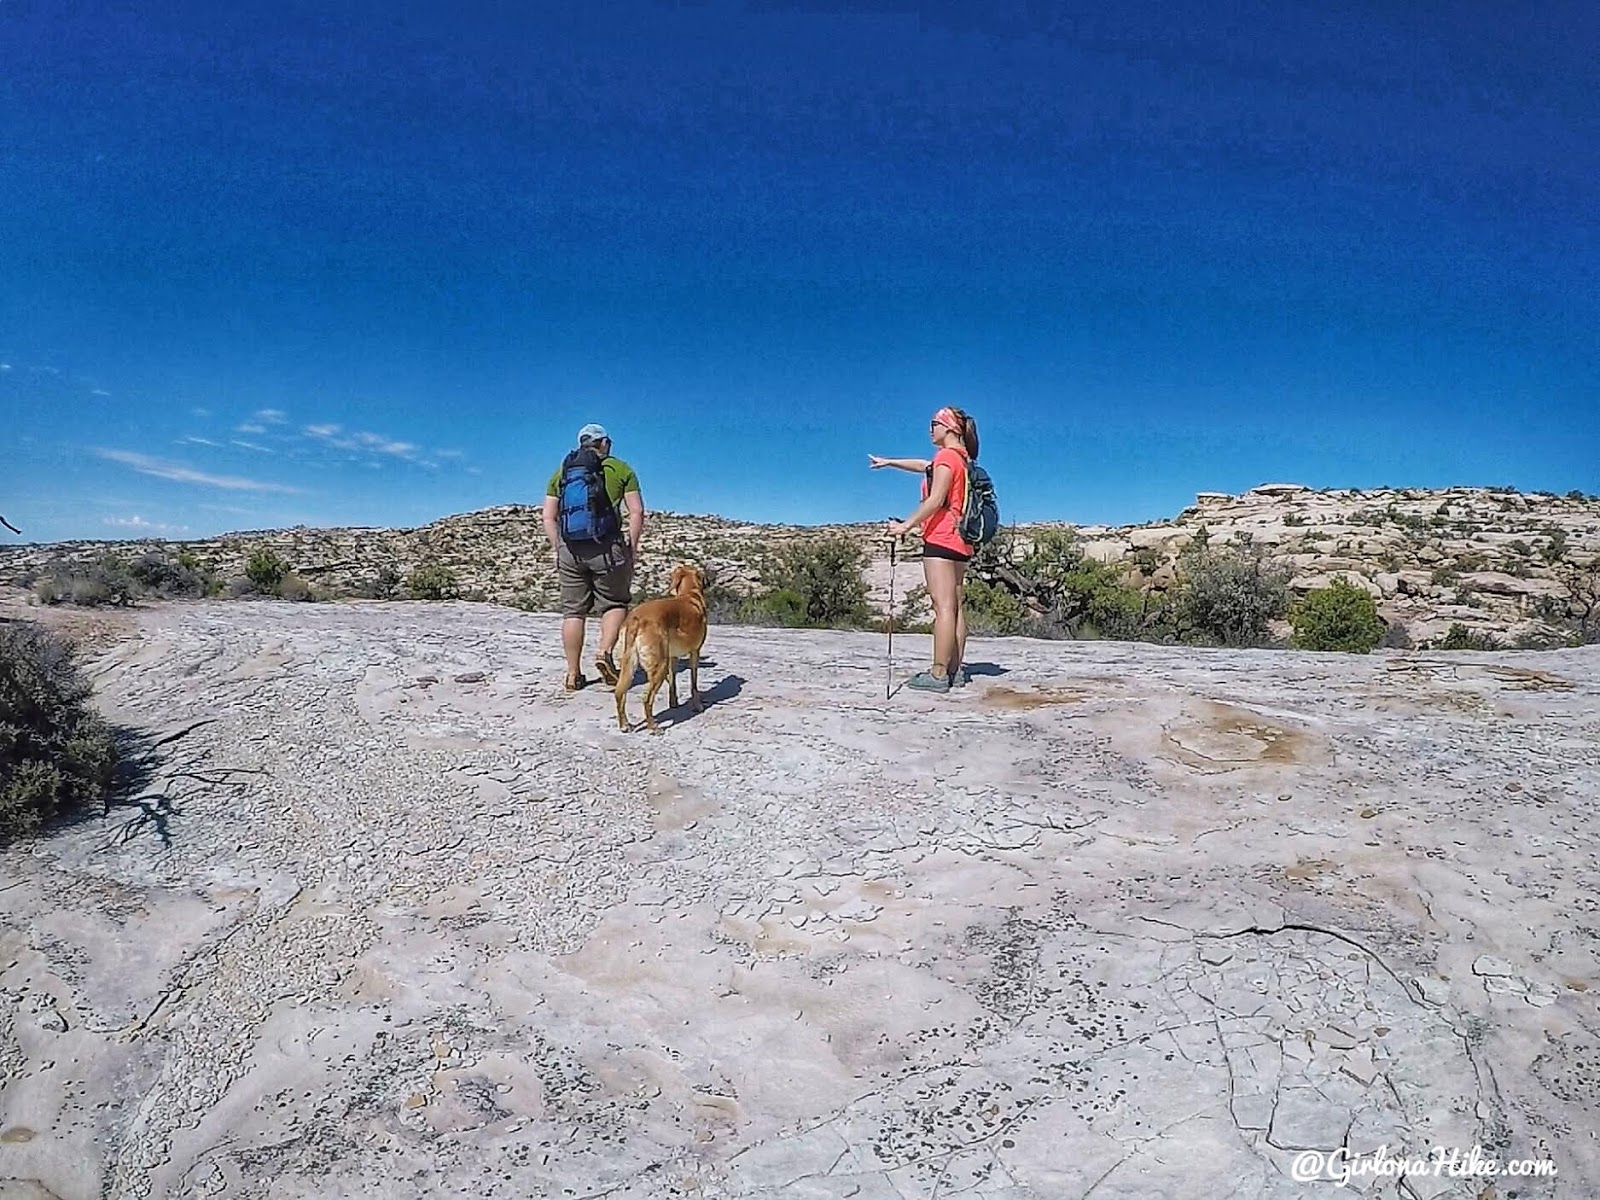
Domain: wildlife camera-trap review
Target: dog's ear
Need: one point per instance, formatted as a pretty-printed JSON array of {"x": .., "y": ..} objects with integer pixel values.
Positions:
[{"x": 678, "y": 572}]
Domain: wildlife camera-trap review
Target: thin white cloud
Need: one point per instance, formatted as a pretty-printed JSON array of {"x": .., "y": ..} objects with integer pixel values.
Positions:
[
  {"x": 251, "y": 446},
  {"x": 272, "y": 416},
  {"x": 98, "y": 392},
  {"x": 371, "y": 443},
  {"x": 383, "y": 445},
  {"x": 197, "y": 441},
  {"x": 178, "y": 473},
  {"x": 249, "y": 427},
  {"x": 449, "y": 454},
  {"x": 140, "y": 525},
  {"x": 199, "y": 412}
]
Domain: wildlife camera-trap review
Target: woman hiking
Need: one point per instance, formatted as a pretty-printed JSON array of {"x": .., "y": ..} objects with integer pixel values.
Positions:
[{"x": 945, "y": 553}]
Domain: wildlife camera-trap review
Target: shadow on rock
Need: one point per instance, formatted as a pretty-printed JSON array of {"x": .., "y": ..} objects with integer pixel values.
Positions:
[
  {"x": 985, "y": 668},
  {"x": 155, "y": 774},
  {"x": 725, "y": 688}
]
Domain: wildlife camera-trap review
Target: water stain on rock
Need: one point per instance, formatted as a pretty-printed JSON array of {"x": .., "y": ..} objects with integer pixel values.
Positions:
[
  {"x": 1222, "y": 737},
  {"x": 1005, "y": 697},
  {"x": 1310, "y": 870}
]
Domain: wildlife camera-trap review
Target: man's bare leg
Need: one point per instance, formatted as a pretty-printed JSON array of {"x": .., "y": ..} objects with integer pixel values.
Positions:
[{"x": 572, "y": 643}]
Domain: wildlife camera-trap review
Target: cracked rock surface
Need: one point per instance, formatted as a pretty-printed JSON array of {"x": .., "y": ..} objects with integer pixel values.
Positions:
[{"x": 1114, "y": 920}]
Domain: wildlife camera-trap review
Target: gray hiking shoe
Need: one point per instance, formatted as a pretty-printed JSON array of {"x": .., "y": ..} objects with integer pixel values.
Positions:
[
  {"x": 927, "y": 681},
  {"x": 959, "y": 677}
]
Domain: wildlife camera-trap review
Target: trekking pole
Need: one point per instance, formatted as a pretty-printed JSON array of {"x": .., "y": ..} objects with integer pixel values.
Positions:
[{"x": 888, "y": 683}]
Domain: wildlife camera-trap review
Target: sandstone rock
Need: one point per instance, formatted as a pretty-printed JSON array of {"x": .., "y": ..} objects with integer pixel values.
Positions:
[{"x": 1278, "y": 490}]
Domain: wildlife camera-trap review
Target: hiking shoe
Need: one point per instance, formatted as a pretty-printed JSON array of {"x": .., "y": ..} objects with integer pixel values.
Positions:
[
  {"x": 927, "y": 681},
  {"x": 607, "y": 667},
  {"x": 959, "y": 677},
  {"x": 576, "y": 682}
]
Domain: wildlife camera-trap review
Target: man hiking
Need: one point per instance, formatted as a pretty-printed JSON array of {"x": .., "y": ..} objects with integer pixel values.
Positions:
[{"x": 594, "y": 553}]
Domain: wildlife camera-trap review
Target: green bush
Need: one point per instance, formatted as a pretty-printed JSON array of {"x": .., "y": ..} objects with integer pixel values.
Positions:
[
  {"x": 1459, "y": 637},
  {"x": 432, "y": 581},
  {"x": 1339, "y": 617},
  {"x": 1555, "y": 547},
  {"x": 385, "y": 585},
  {"x": 915, "y": 614},
  {"x": 292, "y": 587},
  {"x": 105, "y": 581},
  {"x": 168, "y": 579},
  {"x": 265, "y": 570},
  {"x": 825, "y": 572},
  {"x": 56, "y": 755},
  {"x": 783, "y": 607},
  {"x": 1228, "y": 598},
  {"x": 995, "y": 611},
  {"x": 1053, "y": 589}
]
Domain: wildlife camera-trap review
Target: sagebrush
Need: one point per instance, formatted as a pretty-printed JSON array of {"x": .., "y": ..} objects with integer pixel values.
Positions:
[{"x": 56, "y": 755}]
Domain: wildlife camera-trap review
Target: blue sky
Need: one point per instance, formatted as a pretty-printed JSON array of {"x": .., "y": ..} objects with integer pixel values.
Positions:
[{"x": 359, "y": 263}]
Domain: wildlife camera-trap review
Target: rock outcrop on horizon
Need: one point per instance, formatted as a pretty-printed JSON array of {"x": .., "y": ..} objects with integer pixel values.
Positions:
[{"x": 1484, "y": 558}]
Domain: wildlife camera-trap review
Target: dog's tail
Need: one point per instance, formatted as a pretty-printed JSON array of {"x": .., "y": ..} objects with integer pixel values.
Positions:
[{"x": 629, "y": 649}]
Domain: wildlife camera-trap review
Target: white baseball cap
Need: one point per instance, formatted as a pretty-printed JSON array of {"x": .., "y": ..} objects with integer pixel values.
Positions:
[{"x": 592, "y": 433}]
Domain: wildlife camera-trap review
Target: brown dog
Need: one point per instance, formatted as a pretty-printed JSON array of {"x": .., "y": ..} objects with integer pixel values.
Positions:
[{"x": 655, "y": 634}]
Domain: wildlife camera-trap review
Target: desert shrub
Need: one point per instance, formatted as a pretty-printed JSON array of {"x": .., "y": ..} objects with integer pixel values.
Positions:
[
  {"x": 1544, "y": 639},
  {"x": 781, "y": 607},
  {"x": 167, "y": 578},
  {"x": 1555, "y": 546},
  {"x": 1443, "y": 577},
  {"x": 1338, "y": 617},
  {"x": 1550, "y": 608},
  {"x": 431, "y": 581},
  {"x": 265, "y": 570},
  {"x": 293, "y": 587},
  {"x": 825, "y": 573},
  {"x": 1459, "y": 637},
  {"x": 915, "y": 614},
  {"x": 1053, "y": 589},
  {"x": 56, "y": 755},
  {"x": 385, "y": 585},
  {"x": 1396, "y": 637},
  {"x": 105, "y": 581},
  {"x": 996, "y": 611},
  {"x": 1229, "y": 598}
]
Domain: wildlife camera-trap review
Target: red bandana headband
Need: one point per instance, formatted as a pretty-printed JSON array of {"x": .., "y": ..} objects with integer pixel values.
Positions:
[{"x": 947, "y": 417}]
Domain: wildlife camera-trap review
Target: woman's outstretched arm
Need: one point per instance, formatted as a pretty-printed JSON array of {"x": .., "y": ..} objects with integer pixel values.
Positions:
[{"x": 915, "y": 465}]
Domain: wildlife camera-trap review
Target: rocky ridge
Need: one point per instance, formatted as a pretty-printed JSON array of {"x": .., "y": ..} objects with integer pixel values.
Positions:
[{"x": 1491, "y": 559}]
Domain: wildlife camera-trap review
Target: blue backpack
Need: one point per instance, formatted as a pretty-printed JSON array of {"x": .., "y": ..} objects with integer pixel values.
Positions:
[
  {"x": 980, "y": 514},
  {"x": 587, "y": 514}
]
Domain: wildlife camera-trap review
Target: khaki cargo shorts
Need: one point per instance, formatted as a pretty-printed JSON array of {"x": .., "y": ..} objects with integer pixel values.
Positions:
[{"x": 594, "y": 577}]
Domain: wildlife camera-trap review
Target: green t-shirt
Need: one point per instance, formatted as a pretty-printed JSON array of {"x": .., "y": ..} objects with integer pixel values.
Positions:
[{"x": 619, "y": 476}]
